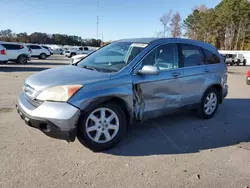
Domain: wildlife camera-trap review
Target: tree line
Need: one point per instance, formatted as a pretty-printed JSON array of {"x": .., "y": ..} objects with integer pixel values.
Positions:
[
  {"x": 226, "y": 26},
  {"x": 44, "y": 38}
]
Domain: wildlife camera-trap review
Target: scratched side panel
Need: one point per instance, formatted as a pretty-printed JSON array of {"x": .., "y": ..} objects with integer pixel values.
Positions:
[{"x": 119, "y": 87}]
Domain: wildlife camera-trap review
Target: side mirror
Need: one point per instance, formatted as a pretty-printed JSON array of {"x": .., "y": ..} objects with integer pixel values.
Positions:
[{"x": 149, "y": 70}]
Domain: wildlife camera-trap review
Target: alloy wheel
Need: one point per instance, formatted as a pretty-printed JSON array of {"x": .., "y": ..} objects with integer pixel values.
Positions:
[
  {"x": 210, "y": 103},
  {"x": 102, "y": 125}
]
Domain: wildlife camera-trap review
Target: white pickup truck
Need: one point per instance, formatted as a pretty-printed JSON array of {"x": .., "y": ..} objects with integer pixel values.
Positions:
[{"x": 77, "y": 51}]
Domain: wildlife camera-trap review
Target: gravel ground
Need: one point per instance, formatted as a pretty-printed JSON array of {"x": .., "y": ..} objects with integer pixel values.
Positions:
[{"x": 173, "y": 151}]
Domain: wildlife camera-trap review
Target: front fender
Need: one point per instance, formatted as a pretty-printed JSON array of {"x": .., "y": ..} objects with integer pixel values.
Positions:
[{"x": 83, "y": 98}]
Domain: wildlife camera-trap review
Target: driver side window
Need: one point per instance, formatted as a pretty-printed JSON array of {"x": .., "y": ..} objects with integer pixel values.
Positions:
[{"x": 165, "y": 57}]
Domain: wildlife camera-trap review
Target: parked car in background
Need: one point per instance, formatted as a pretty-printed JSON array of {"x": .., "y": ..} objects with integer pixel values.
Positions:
[
  {"x": 65, "y": 50},
  {"x": 17, "y": 52},
  {"x": 3, "y": 56},
  {"x": 38, "y": 51},
  {"x": 49, "y": 49},
  {"x": 76, "y": 58},
  {"x": 58, "y": 51},
  {"x": 235, "y": 59},
  {"x": 240, "y": 59},
  {"x": 77, "y": 51},
  {"x": 96, "y": 99},
  {"x": 229, "y": 59},
  {"x": 248, "y": 77}
]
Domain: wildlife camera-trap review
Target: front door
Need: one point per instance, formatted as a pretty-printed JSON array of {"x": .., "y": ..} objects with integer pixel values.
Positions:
[{"x": 157, "y": 94}]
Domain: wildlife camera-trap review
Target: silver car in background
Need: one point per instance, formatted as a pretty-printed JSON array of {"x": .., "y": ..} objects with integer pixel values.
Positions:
[
  {"x": 76, "y": 58},
  {"x": 127, "y": 80}
]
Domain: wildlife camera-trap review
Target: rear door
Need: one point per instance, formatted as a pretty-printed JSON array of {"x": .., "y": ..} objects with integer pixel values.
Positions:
[
  {"x": 195, "y": 72},
  {"x": 36, "y": 50}
]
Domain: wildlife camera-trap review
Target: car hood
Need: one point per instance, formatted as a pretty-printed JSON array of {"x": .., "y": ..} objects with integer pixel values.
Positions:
[
  {"x": 64, "y": 76},
  {"x": 79, "y": 56}
]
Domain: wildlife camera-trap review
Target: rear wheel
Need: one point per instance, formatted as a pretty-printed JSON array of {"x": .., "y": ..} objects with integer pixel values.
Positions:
[
  {"x": 43, "y": 56},
  {"x": 72, "y": 54},
  {"x": 22, "y": 59},
  {"x": 102, "y": 127},
  {"x": 244, "y": 62},
  {"x": 209, "y": 103}
]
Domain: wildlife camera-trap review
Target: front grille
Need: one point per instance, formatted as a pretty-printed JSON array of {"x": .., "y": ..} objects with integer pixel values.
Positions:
[{"x": 33, "y": 102}]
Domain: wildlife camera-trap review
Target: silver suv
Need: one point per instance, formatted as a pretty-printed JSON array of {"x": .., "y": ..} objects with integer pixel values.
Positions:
[{"x": 127, "y": 80}]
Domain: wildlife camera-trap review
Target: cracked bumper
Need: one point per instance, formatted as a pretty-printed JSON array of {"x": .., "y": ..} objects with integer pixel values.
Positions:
[{"x": 55, "y": 119}]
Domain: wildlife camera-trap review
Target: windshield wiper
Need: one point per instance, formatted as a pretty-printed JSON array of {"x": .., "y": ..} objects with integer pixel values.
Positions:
[{"x": 90, "y": 68}]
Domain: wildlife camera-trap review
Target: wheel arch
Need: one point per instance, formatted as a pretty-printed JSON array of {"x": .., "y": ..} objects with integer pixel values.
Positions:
[
  {"x": 216, "y": 86},
  {"x": 22, "y": 55},
  {"x": 116, "y": 99}
]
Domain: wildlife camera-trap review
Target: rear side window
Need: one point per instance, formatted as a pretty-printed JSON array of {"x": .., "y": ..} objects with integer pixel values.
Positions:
[
  {"x": 192, "y": 55},
  {"x": 86, "y": 48},
  {"x": 211, "y": 58},
  {"x": 34, "y": 47},
  {"x": 13, "y": 46}
]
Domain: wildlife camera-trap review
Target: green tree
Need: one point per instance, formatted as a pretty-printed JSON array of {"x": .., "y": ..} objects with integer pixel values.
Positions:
[{"x": 227, "y": 26}]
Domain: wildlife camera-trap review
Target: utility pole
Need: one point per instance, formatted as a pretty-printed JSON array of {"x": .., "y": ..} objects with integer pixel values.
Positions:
[{"x": 97, "y": 20}]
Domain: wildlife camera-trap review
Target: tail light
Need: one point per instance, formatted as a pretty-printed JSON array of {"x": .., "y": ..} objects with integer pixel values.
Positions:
[
  {"x": 3, "y": 52},
  {"x": 248, "y": 73}
]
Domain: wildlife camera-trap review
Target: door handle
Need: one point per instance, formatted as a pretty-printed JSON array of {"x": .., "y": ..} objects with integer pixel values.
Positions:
[
  {"x": 176, "y": 74},
  {"x": 206, "y": 70}
]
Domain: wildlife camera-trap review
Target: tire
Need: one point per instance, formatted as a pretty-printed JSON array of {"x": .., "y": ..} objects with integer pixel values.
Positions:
[
  {"x": 231, "y": 64},
  {"x": 96, "y": 139},
  {"x": 3, "y": 62},
  {"x": 42, "y": 56},
  {"x": 244, "y": 62},
  {"x": 202, "y": 112},
  {"x": 72, "y": 54},
  {"x": 238, "y": 63},
  {"x": 22, "y": 59}
]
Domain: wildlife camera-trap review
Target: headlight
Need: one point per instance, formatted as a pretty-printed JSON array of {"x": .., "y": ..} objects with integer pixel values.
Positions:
[{"x": 59, "y": 93}]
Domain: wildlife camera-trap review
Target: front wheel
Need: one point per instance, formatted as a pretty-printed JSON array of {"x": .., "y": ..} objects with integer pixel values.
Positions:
[
  {"x": 102, "y": 127},
  {"x": 72, "y": 54},
  {"x": 209, "y": 103},
  {"x": 43, "y": 56}
]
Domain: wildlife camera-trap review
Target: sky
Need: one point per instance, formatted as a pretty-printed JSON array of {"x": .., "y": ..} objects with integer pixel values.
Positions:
[{"x": 117, "y": 18}]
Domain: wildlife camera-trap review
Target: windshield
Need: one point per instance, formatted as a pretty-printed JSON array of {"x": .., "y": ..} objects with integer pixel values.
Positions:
[{"x": 113, "y": 57}]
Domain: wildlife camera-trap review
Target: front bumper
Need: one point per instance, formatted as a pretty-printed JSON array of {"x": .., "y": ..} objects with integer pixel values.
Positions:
[
  {"x": 224, "y": 91},
  {"x": 55, "y": 119}
]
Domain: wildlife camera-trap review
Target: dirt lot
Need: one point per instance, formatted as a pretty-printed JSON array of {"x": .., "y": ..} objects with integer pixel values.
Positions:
[{"x": 174, "y": 151}]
